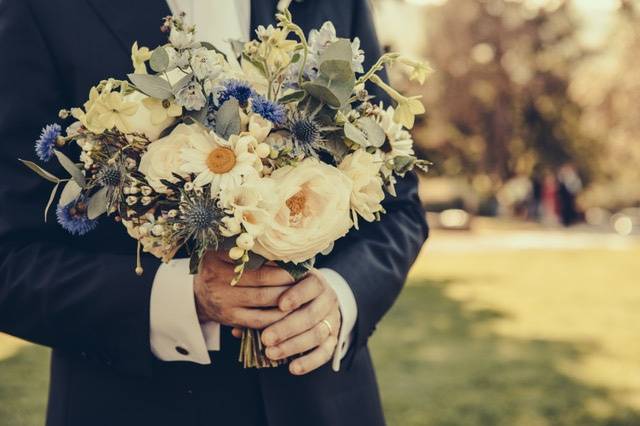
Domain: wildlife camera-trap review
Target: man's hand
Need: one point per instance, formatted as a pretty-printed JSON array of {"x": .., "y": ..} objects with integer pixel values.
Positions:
[
  {"x": 247, "y": 303},
  {"x": 310, "y": 304}
]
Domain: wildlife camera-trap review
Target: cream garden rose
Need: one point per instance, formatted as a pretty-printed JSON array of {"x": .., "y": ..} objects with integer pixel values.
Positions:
[
  {"x": 363, "y": 169},
  {"x": 312, "y": 211},
  {"x": 163, "y": 156}
]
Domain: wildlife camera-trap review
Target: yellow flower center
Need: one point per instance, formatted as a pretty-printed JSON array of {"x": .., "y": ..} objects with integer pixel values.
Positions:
[
  {"x": 296, "y": 203},
  {"x": 221, "y": 160}
]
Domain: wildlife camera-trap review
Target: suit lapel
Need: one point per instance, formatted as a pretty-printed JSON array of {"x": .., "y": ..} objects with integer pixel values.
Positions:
[{"x": 133, "y": 20}]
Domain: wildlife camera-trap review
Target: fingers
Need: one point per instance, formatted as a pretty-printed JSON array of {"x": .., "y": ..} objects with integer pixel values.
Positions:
[
  {"x": 303, "y": 292},
  {"x": 254, "y": 318},
  {"x": 258, "y": 297},
  {"x": 306, "y": 341},
  {"x": 300, "y": 320},
  {"x": 236, "y": 332},
  {"x": 315, "y": 359},
  {"x": 265, "y": 276}
]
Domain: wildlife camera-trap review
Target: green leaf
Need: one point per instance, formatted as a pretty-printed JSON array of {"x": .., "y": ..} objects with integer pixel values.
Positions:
[
  {"x": 374, "y": 133},
  {"x": 152, "y": 85},
  {"x": 180, "y": 84},
  {"x": 336, "y": 70},
  {"x": 159, "y": 61},
  {"x": 297, "y": 270},
  {"x": 228, "y": 119},
  {"x": 70, "y": 192},
  {"x": 355, "y": 134},
  {"x": 403, "y": 163},
  {"x": 323, "y": 93},
  {"x": 98, "y": 203},
  {"x": 296, "y": 96},
  {"x": 40, "y": 171},
  {"x": 335, "y": 61},
  {"x": 71, "y": 167},
  {"x": 51, "y": 197}
]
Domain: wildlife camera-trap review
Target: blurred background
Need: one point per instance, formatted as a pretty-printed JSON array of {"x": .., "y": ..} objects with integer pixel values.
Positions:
[{"x": 524, "y": 306}]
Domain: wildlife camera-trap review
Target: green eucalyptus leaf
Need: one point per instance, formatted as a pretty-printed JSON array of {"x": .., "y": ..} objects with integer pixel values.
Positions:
[
  {"x": 98, "y": 203},
  {"x": 296, "y": 96},
  {"x": 336, "y": 70},
  {"x": 375, "y": 134},
  {"x": 355, "y": 134},
  {"x": 322, "y": 92},
  {"x": 71, "y": 167},
  {"x": 159, "y": 61},
  {"x": 182, "y": 83},
  {"x": 403, "y": 163},
  {"x": 70, "y": 192},
  {"x": 50, "y": 202},
  {"x": 40, "y": 171},
  {"x": 297, "y": 270},
  {"x": 228, "y": 119},
  {"x": 152, "y": 85},
  {"x": 339, "y": 50}
]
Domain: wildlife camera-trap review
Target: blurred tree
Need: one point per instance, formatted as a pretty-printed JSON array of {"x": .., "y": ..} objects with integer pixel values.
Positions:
[
  {"x": 498, "y": 104},
  {"x": 608, "y": 85}
]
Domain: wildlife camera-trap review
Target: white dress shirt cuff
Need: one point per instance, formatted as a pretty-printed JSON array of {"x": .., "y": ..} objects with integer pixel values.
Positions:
[
  {"x": 176, "y": 334},
  {"x": 348, "y": 310}
]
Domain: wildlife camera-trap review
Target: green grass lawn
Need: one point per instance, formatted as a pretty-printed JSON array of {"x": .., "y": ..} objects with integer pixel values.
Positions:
[{"x": 530, "y": 338}]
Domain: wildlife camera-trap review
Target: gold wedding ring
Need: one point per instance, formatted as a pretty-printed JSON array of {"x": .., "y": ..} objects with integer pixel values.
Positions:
[{"x": 328, "y": 324}]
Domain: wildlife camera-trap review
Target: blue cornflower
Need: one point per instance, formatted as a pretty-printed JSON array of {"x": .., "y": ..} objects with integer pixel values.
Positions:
[
  {"x": 272, "y": 111},
  {"x": 73, "y": 218},
  {"x": 241, "y": 90},
  {"x": 47, "y": 141}
]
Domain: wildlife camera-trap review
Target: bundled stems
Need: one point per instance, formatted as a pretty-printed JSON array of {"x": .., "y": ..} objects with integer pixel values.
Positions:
[{"x": 252, "y": 353}]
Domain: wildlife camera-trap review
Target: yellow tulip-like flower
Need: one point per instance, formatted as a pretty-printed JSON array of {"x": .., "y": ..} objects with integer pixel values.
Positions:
[
  {"x": 139, "y": 56},
  {"x": 407, "y": 109},
  {"x": 274, "y": 47},
  {"x": 420, "y": 69},
  {"x": 161, "y": 110}
]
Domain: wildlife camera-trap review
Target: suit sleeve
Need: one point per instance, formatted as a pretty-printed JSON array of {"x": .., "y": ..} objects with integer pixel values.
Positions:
[
  {"x": 52, "y": 290},
  {"x": 376, "y": 259}
]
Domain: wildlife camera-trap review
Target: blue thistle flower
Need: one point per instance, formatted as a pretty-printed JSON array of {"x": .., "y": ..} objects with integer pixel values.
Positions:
[
  {"x": 241, "y": 90},
  {"x": 47, "y": 141},
  {"x": 269, "y": 110},
  {"x": 73, "y": 218}
]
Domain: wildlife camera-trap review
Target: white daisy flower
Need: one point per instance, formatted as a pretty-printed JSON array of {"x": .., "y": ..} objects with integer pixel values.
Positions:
[
  {"x": 220, "y": 163},
  {"x": 400, "y": 140}
]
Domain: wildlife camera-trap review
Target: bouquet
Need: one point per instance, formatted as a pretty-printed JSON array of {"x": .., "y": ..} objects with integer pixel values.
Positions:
[{"x": 271, "y": 155}]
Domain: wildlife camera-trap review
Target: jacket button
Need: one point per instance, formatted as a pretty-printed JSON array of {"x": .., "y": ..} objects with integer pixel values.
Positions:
[{"x": 181, "y": 350}]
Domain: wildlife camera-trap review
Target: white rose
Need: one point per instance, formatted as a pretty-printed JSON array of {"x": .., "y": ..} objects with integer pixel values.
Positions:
[
  {"x": 163, "y": 156},
  {"x": 312, "y": 212},
  {"x": 367, "y": 194},
  {"x": 140, "y": 122}
]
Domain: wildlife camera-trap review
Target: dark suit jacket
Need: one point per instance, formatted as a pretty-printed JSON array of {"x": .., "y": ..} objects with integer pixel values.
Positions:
[{"x": 80, "y": 295}]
